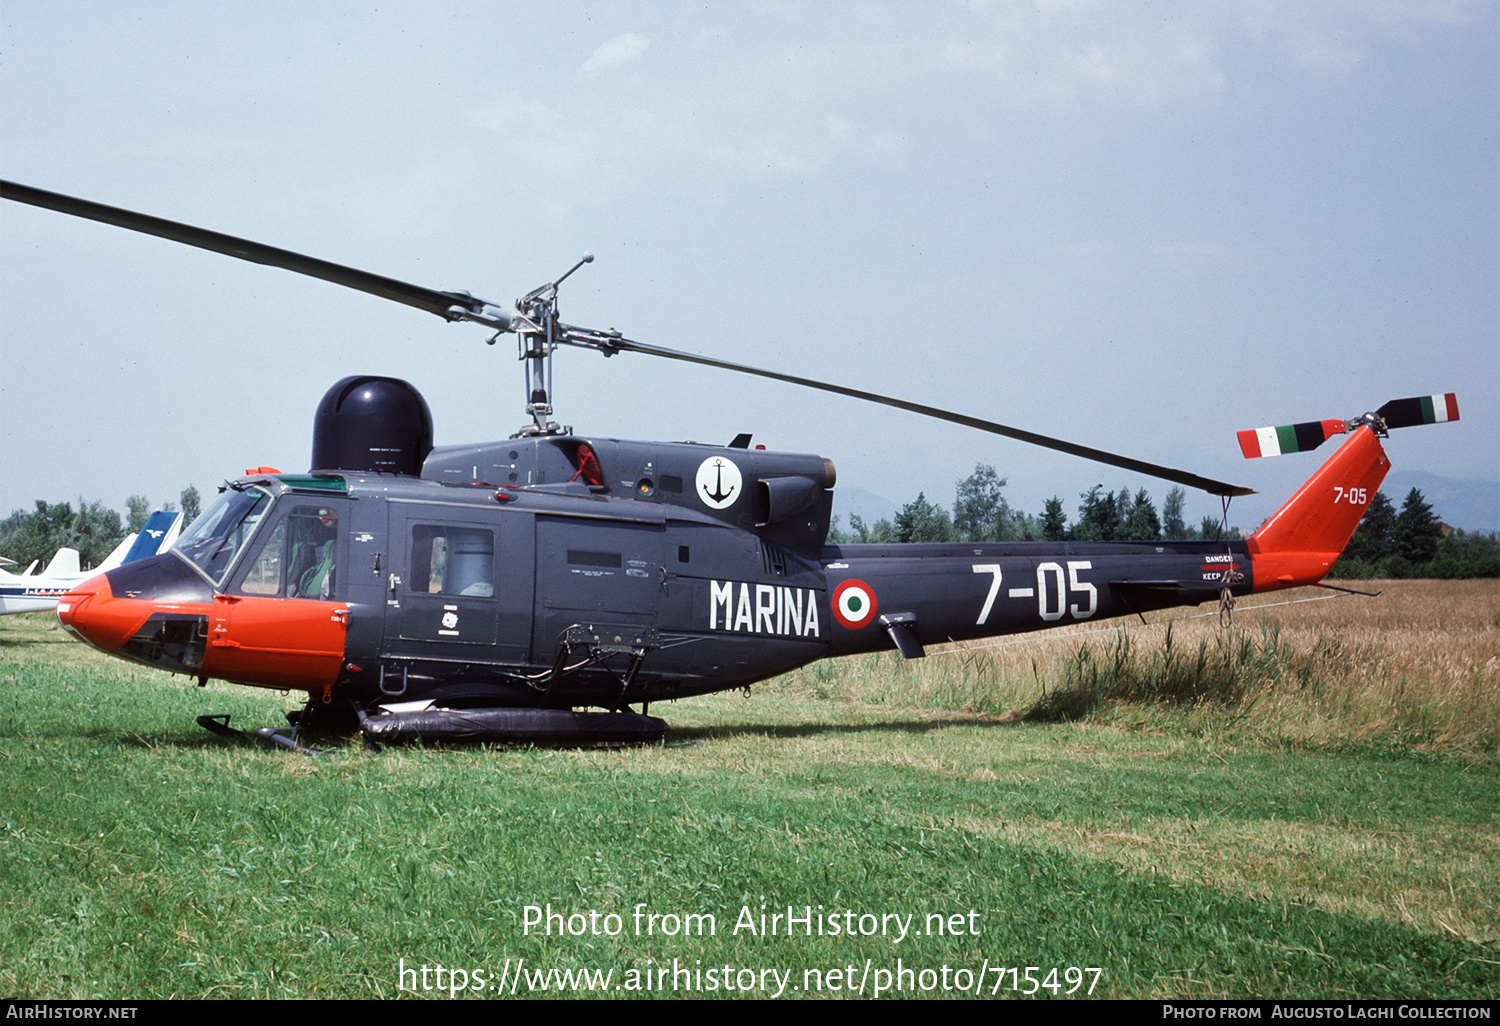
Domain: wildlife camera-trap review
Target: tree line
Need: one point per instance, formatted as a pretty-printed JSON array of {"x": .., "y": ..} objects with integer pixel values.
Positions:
[
  {"x": 1412, "y": 543},
  {"x": 1409, "y": 543},
  {"x": 93, "y": 528},
  {"x": 981, "y": 513}
]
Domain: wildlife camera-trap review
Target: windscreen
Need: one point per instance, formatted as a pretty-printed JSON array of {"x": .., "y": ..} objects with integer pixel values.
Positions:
[{"x": 215, "y": 538}]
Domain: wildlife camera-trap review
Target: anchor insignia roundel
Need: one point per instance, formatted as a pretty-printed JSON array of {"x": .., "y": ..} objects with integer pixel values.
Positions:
[{"x": 719, "y": 483}]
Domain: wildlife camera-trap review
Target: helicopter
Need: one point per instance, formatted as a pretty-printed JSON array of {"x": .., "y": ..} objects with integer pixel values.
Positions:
[{"x": 534, "y": 589}]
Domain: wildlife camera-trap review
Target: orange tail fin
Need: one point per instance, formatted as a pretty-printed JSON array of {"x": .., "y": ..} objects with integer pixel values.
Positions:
[{"x": 1302, "y": 540}]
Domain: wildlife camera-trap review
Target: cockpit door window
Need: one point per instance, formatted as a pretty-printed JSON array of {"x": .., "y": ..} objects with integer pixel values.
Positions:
[{"x": 299, "y": 558}]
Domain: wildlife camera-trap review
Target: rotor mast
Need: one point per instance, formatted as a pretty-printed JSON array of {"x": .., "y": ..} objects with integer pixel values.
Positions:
[{"x": 537, "y": 337}]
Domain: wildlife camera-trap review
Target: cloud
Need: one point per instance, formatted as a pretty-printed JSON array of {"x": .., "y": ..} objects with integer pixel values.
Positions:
[
  {"x": 1072, "y": 56},
  {"x": 619, "y": 50},
  {"x": 1334, "y": 38},
  {"x": 837, "y": 89}
]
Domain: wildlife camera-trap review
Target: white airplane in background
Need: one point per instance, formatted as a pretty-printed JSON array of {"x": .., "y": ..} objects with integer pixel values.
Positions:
[{"x": 28, "y": 592}]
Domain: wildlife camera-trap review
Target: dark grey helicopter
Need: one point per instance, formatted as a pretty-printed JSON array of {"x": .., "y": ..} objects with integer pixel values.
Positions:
[{"x": 492, "y": 591}]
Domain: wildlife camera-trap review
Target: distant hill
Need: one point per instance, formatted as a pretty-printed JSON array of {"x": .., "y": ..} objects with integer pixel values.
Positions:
[
  {"x": 1471, "y": 505},
  {"x": 863, "y": 503}
]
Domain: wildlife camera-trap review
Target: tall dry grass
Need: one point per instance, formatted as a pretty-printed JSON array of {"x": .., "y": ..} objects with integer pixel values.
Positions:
[{"x": 1417, "y": 667}]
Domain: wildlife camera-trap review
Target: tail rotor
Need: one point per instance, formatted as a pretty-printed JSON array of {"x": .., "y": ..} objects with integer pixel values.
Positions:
[{"x": 1308, "y": 435}]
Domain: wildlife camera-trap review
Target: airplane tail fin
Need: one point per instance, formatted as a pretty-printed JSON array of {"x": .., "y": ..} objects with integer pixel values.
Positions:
[
  {"x": 63, "y": 564},
  {"x": 160, "y": 531},
  {"x": 116, "y": 557}
]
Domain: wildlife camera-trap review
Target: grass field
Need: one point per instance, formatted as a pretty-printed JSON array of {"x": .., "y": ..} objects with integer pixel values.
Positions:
[{"x": 1310, "y": 808}]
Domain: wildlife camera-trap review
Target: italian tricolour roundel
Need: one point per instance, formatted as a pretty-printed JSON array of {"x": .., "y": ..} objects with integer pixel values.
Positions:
[{"x": 854, "y": 604}]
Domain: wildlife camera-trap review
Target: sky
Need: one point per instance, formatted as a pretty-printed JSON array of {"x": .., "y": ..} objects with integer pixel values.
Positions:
[{"x": 1140, "y": 227}]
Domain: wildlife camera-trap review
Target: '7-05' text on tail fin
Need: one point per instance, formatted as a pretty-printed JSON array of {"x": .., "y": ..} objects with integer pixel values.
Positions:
[{"x": 1300, "y": 543}]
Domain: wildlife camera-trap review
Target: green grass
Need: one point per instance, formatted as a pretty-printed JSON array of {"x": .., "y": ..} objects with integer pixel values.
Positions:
[{"x": 142, "y": 857}]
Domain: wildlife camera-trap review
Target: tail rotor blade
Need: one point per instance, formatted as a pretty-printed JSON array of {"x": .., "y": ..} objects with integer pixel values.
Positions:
[
  {"x": 1424, "y": 409},
  {"x": 1278, "y": 441}
]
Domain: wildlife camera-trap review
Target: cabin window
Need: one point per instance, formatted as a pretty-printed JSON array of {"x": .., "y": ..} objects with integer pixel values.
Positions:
[{"x": 447, "y": 560}]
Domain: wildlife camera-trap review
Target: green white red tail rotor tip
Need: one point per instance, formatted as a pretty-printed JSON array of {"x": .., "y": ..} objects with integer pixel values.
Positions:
[
  {"x": 1423, "y": 409},
  {"x": 1308, "y": 435}
]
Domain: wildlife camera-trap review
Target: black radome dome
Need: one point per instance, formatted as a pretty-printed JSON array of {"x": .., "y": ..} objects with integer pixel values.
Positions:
[{"x": 372, "y": 424}]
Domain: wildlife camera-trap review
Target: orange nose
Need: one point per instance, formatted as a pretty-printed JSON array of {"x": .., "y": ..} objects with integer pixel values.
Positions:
[
  {"x": 91, "y": 612},
  {"x": 70, "y": 606}
]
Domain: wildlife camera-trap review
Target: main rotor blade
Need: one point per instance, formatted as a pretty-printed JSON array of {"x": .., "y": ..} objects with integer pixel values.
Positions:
[
  {"x": 612, "y": 342},
  {"x": 430, "y": 300},
  {"x": 471, "y": 308}
]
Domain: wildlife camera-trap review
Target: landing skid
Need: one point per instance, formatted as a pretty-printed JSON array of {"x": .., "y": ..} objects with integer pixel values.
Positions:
[{"x": 281, "y": 737}]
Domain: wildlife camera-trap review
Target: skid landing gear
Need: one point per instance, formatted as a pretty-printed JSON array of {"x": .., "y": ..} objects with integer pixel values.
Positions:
[
  {"x": 281, "y": 737},
  {"x": 333, "y": 717}
]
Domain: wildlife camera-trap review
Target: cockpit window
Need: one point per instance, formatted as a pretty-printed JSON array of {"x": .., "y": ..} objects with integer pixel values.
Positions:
[
  {"x": 215, "y": 538},
  {"x": 299, "y": 558}
]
